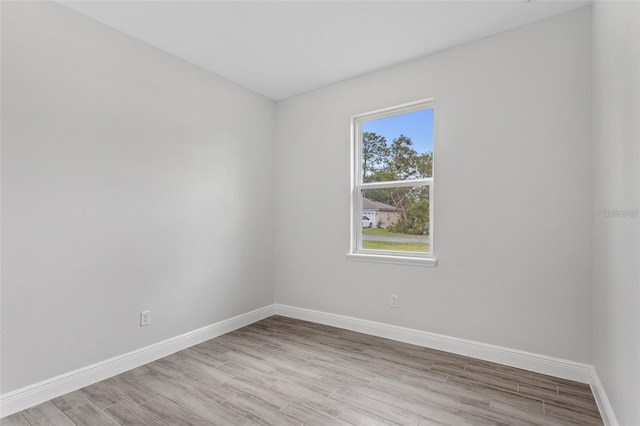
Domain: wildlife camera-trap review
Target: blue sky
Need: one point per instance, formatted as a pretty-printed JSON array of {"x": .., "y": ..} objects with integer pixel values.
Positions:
[{"x": 416, "y": 125}]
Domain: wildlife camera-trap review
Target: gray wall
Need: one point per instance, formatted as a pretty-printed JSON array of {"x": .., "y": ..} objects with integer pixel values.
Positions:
[
  {"x": 616, "y": 183},
  {"x": 130, "y": 181},
  {"x": 512, "y": 193}
]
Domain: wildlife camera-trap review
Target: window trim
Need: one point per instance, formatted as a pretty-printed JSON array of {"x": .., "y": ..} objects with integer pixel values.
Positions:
[{"x": 378, "y": 256}]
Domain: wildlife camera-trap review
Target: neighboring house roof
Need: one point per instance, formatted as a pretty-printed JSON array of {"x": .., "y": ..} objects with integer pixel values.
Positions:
[{"x": 368, "y": 204}]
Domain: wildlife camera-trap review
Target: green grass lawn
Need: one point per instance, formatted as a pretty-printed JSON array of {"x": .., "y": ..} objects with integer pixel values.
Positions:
[
  {"x": 394, "y": 246},
  {"x": 383, "y": 232}
]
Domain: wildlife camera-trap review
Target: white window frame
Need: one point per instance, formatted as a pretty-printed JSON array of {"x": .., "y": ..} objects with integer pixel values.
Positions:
[{"x": 357, "y": 186}]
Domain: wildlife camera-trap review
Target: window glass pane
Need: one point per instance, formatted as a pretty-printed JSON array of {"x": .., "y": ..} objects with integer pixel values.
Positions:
[
  {"x": 397, "y": 219},
  {"x": 399, "y": 147}
]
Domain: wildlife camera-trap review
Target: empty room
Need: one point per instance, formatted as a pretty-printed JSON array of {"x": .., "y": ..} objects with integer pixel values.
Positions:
[{"x": 320, "y": 213}]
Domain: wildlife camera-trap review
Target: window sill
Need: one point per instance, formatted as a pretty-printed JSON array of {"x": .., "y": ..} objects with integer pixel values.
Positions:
[{"x": 398, "y": 260}]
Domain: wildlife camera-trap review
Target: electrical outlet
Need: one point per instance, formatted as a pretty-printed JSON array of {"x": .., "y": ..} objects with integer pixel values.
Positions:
[
  {"x": 145, "y": 318},
  {"x": 394, "y": 301}
]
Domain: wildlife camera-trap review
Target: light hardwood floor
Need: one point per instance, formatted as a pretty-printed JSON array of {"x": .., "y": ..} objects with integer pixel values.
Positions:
[{"x": 281, "y": 371}]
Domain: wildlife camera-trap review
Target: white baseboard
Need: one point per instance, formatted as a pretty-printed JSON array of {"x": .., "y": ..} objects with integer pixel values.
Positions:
[
  {"x": 604, "y": 405},
  {"x": 20, "y": 399},
  {"x": 512, "y": 357}
]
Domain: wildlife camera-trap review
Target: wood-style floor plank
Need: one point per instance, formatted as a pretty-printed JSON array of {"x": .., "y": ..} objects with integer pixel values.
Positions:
[
  {"x": 45, "y": 414},
  {"x": 14, "y": 420},
  {"x": 309, "y": 416},
  {"x": 127, "y": 413},
  {"x": 282, "y": 371},
  {"x": 89, "y": 415},
  {"x": 172, "y": 413}
]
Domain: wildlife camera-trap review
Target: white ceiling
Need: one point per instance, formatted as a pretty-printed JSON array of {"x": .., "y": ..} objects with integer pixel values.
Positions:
[{"x": 284, "y": 48}]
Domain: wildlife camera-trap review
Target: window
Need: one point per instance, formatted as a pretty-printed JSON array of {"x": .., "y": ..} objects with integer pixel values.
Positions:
[{"x": 392, "y": 185}]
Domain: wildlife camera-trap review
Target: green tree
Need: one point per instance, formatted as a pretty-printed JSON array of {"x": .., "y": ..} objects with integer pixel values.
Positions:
[
  {"x": 374, "y": 154},
  {"x": 425, "y": 164},
  {"x": 403, "y": 159}
]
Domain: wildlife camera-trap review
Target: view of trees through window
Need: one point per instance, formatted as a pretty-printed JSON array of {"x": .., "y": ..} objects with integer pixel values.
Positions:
[{"x": 398, "y": 150}]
